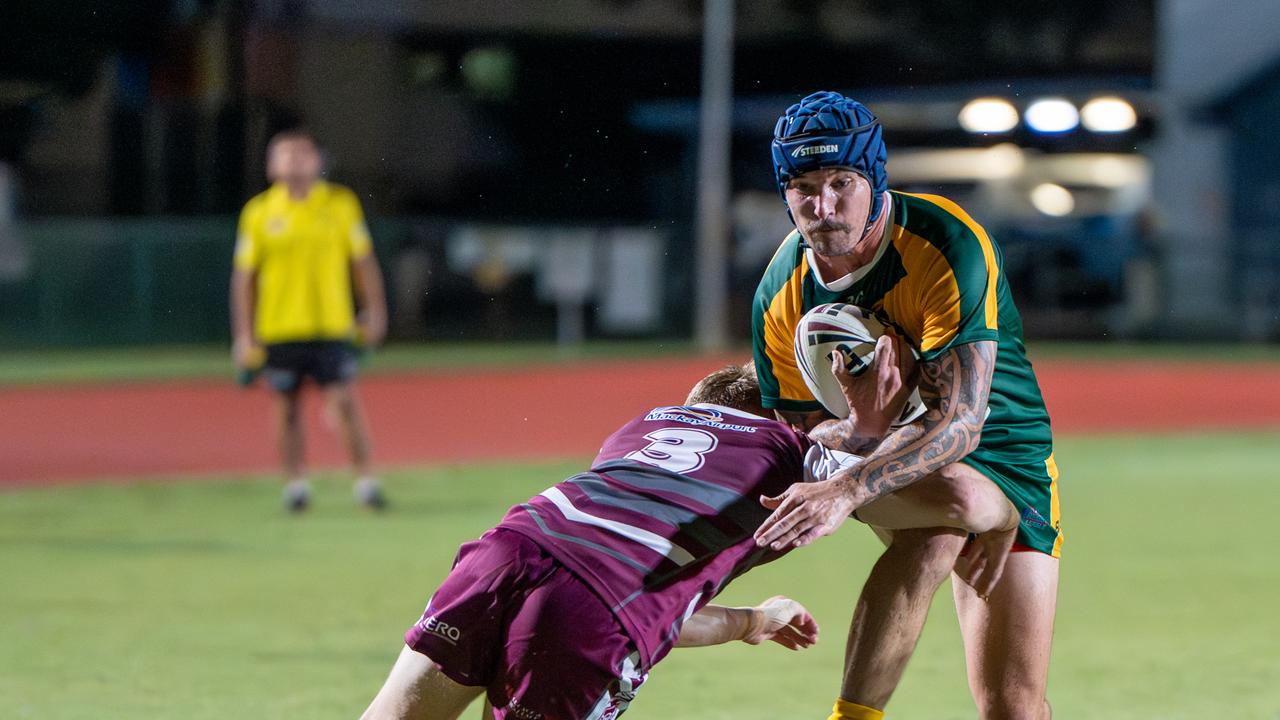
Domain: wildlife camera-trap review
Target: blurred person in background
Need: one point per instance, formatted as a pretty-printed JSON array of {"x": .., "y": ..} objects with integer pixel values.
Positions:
[{"x": 299, "y": 247}]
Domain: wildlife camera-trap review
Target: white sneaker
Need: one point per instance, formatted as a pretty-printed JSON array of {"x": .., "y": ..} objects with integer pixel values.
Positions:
[
  {"x": 297, "y": 496},
  {"x": 368, "y": 492}
]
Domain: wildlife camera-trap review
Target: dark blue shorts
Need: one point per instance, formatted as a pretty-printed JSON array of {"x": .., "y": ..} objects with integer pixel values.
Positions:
[{"x": 325, "y": 361}]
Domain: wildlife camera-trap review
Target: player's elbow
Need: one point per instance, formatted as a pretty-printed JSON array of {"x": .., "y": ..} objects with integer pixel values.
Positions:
[
  {"x": 957, "y": 437},
  {"x": 966, "y": 431},
  {"x": 974, "y": 440},
  {"x": 241, "y": 280}
]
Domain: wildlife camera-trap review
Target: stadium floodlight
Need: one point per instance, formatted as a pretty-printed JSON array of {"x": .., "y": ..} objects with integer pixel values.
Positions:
[
  {"x": 1052, "y": 115},
  {"x": 988, "y": 115},
  {"x": 1108, "y": 115},
  {"x": 1053, "y": 199}
]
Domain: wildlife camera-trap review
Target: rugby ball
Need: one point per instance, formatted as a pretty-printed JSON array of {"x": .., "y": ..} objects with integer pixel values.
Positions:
[{"x": 851, "y": 331}]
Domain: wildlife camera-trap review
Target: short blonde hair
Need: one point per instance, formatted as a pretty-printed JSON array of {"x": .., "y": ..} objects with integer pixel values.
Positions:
[{"x": 733, "y": 386}]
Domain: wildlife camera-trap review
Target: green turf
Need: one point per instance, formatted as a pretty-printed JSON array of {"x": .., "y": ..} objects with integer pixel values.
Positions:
[
  {"x": 170, "y": 362},
  {"x": 202, "y": 600},
  {"x": 213, "y": 362}
]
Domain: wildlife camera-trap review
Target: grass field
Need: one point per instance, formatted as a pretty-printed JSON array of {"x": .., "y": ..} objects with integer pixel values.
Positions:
[
  {"x": 201, "y": 599},
  {"x": 80, "y": 365},
  {"x": 175, "y": 362}
]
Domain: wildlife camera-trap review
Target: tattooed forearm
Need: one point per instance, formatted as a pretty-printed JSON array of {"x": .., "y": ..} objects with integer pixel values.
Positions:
[
  {"x": 829, "y": 432},
  {"x": 802, "y": 421},
  {"x": 841, "y": 435},
  {"x": 955, "y": 387}
]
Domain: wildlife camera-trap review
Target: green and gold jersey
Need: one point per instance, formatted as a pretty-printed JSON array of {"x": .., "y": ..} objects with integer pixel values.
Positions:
[{"x": 938, "y": 279}]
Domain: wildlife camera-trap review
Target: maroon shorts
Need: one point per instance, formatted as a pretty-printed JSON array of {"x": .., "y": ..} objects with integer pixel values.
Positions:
[{"x": 511, "y": 619}]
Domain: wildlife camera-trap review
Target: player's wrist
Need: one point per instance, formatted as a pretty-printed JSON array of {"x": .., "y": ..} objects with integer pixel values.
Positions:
[
  {"x": 869, "y": 430},
  {"x": 755, "y": 619},
  {"x": 854, "y": 488}
]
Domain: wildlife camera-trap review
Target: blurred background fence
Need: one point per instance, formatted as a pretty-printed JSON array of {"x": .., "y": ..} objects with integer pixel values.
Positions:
[
  {"x": 147, "y": 280},
  {"x": 164, "y": 280},
  {"x": 530, "y": 169}
]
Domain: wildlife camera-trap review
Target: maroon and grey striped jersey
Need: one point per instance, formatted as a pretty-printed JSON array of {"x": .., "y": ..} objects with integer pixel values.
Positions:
[{"x": 664, "y": 519}]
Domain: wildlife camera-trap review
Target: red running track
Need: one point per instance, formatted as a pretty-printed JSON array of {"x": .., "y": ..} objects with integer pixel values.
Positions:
[{"x": 52, "y": 434}]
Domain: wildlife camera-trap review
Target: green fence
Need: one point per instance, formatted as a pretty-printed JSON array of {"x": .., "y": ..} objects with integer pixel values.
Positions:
[
  {"x": 96, "y": 282},
  {"x": 118, "y": 281},
  {"x": 113, "y": 282}
]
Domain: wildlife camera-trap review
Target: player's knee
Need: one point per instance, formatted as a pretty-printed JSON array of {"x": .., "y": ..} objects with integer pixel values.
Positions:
[
  {"x": 969, "y": 500},
  {"x": 1019, "y": 702},
  {"x": 961, "y": 501},
  {"x": 290, "y": 409},
  {"x": 932, "y": 550},
  {"x": 342, "y": 399},
  {"x": 969, "y": 505}
]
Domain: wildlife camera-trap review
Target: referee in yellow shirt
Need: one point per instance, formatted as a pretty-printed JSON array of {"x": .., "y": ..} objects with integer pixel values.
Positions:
[{"x": 299, "y": 246}]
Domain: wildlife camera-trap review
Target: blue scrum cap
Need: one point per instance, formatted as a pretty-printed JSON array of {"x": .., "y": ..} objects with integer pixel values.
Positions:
[{"x": 827, "y": 129}]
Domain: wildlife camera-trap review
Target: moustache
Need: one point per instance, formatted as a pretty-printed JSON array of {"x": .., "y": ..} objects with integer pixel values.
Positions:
[{"x": 827, "y": 226}]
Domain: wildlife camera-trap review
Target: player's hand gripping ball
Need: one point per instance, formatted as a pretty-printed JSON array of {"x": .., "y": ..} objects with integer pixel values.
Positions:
[{"x": 852, "y": 332}]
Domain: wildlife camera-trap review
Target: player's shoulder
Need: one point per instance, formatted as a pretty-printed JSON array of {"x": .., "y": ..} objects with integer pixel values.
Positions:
[
  {"x": 940, "y": 222},
  {"x": 257, "y": 203},
  {"x": 781, "y": 268},
  {"x": 933, "y": 216},
  {"x": 341, "y": 194}
]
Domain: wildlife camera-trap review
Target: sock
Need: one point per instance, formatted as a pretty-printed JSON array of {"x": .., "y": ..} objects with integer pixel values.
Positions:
[{"x": 845, "y": 710}]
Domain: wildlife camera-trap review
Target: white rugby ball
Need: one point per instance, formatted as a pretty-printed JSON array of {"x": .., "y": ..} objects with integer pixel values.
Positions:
[{"x": 852, "y": 331}]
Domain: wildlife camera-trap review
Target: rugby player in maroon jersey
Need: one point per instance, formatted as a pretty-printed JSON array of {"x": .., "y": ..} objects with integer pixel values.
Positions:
[{"x": 560, "y": 611}]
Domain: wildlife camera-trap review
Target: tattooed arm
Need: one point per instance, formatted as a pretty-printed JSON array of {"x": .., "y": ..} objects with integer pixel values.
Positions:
[
  {"x": 829, "y": 432},
  {"x": 843, "y": 435},
  {"x": 803, "y": 421},
  {"x": 955, "y": 388}
]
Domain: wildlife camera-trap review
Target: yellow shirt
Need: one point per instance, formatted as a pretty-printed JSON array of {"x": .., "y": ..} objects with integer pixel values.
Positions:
[{"x": 302, "y": 251}]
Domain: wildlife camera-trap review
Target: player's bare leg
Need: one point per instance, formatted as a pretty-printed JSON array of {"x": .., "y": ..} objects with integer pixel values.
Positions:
[
  {"x": 1007, "y": 639},
  {"x": 949, "y": 497},
  {"x": 892, "y": 609},
  {"x": 957, "y": 496},
  {"x": 344, "y": 403},
  {"x": 289, "y": 434},
  {"x": 416, "y": 689}
]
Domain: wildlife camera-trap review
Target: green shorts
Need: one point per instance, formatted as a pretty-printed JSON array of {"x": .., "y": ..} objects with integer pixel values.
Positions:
[{"x": 1033, "y": 489}]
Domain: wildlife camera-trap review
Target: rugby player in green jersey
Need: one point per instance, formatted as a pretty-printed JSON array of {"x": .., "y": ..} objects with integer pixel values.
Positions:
[{"x": 934, "y": 275}]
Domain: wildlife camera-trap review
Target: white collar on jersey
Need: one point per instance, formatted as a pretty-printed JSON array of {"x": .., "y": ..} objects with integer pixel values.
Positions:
[
  {"x": 844, "y": 283},
  {"x": 730, "y": 411}
]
